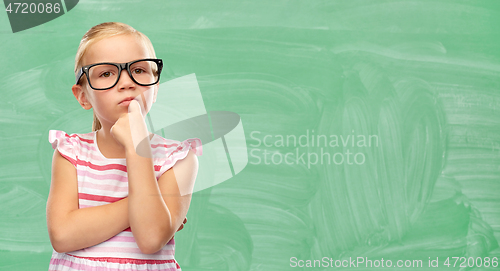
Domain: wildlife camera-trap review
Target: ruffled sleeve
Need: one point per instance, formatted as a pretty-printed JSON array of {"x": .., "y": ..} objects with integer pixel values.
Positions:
[
  {"x": 66, "y": 145},
  {"x": 174, "y": 151}
]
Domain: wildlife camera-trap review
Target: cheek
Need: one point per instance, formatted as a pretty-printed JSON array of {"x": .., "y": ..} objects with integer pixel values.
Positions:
[
  {"x": 101, "y": 101},
  {"x": 89, "y": 94}
]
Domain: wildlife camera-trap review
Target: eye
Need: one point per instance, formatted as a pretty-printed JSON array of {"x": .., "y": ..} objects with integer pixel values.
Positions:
[
  {"x": 105, "y": 74},
  {"x": 138, "y": 71}
]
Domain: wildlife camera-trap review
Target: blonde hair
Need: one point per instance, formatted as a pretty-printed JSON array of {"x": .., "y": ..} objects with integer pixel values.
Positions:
[{"x": 100, "y": 32}]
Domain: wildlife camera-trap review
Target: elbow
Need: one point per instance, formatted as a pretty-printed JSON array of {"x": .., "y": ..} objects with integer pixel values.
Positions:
[
  {"x": 154, "y": 242},
  {"x": 150, "y": 249},
  {"x": 58, "y": 241},
  {"x": 59, "y": 248}
]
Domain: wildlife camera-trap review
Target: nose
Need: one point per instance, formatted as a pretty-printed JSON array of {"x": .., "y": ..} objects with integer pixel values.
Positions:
[{"x": 125, "y": 82}]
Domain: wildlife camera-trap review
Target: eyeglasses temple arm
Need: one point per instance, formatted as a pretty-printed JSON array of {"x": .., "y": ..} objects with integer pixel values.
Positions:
[{"x": 79, "y": 75}]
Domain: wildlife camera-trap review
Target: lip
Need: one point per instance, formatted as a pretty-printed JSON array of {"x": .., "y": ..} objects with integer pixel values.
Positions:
[{"x": 126, "y": 101}]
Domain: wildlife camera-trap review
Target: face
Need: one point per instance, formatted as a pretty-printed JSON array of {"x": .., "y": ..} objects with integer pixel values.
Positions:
[{"x": 109, "y": 104}]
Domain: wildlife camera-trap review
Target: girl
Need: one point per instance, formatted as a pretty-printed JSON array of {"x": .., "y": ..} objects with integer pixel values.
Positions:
[{"x": 115, "y": 204}]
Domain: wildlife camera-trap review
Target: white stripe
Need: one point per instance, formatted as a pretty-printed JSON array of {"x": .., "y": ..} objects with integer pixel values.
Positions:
[
  {"x": 104, "y": 193},
  {"x": 106, "y": 184},
  {"x": 91, "y": 202}
]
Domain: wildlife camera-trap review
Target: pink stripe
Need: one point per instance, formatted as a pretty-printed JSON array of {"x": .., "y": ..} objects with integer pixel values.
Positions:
[
  {"x": 102, "y": 168},
  {"x": 164, "y": 145},
  {"x": 81, "y": 138},
  {"x": 98, "y": 249},
  {"x": 179, "y": 155},
  {"x": 88, "y": 147},
  {"x": 111, "y": 176},
  {"x": 126, "y": 260},
  {"x": 71, "y": 160},
  {"x": 85, "y": 267},
  {"x": 117, "y": 238},
  {"x": 194, "y": 144},
  {"x": 98, "y": 198}
]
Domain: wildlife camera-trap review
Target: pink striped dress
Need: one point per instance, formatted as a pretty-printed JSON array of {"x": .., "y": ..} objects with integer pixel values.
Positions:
[{"x": 101, "y": 181}]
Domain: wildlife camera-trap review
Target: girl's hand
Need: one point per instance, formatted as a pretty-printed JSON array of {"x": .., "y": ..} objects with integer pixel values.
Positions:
[{"x": 130, "y": 130}]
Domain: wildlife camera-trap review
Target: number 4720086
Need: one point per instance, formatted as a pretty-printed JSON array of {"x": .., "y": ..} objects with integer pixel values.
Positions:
[
  {"x": 33, "y": 8},
  {"x": 472, "y": 262}
]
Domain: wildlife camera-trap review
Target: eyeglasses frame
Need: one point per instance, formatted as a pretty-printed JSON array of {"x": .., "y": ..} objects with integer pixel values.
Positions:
[{"x": 121, "y": 67}]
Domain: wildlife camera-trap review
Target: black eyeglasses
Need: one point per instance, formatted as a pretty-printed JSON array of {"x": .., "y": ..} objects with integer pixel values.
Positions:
[{"x": 102, "y": 76}]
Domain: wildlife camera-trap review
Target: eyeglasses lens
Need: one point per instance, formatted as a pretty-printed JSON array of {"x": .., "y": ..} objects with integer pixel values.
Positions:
[{"x": 105, "y": 75}]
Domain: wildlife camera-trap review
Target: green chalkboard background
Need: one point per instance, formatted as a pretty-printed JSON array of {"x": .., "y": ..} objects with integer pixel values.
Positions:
[{"x": 420, "y": 79}]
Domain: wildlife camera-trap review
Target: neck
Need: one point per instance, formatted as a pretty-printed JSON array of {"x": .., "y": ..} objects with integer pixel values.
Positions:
[{"x": 107, "y": 144}]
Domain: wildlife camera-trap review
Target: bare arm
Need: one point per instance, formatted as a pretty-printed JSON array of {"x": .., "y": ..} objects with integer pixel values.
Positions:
[
  {"x": 71, "y": 228},
  {"x": 156, "y": 208}
]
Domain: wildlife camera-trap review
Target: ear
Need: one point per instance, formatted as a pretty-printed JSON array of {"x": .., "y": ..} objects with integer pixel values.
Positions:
[{"x": 81, "y": 97}]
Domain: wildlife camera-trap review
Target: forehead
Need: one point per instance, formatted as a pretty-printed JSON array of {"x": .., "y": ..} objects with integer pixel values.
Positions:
[{"x": 120, "y": 49}]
